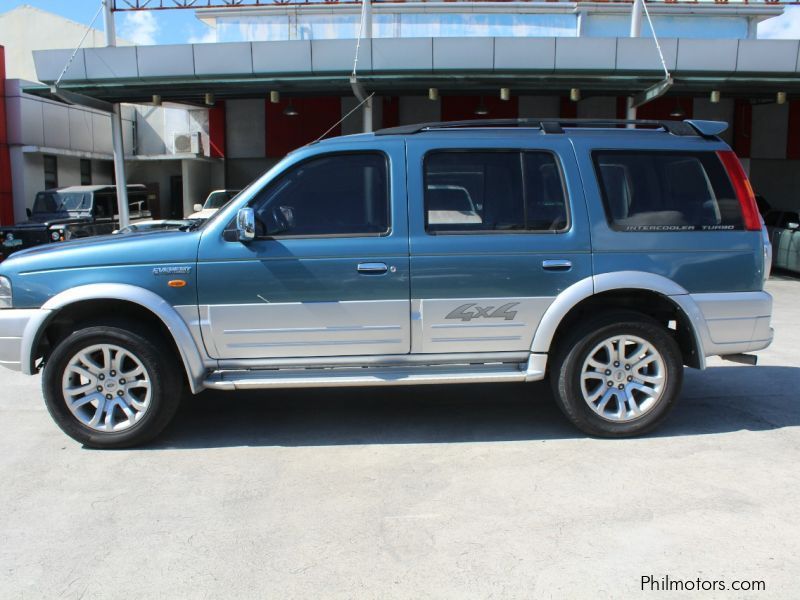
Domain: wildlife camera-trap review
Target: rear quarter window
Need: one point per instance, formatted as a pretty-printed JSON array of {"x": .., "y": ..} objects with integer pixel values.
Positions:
[{"x": 666, "y": 191}]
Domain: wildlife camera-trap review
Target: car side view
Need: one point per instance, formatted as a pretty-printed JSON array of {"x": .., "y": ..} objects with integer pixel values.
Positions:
[{"x": 604, "y": 256}]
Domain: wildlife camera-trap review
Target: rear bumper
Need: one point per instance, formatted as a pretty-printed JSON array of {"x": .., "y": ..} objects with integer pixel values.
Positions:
[
  {"x": 734, "y": 322},
  {"x": 18, "y": 328}
]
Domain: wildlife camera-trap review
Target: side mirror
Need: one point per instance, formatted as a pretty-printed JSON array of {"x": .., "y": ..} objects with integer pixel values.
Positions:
[
  {"x": 281, "y": 220},
  {"x": 246, "y": 225},
  {"x": 29, "y": 212},
  {"x": 197, "y": 207}
]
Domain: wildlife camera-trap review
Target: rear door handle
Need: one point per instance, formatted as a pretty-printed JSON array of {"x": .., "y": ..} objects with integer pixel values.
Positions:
[
  {"x": 557, "y": 265},
  {"x": 372, "y": 268}
]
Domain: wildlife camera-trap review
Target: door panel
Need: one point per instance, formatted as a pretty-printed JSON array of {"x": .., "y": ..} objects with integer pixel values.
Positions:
[
  {"x": 306, "y": 296},
  {"x": 486, "y": 291}
]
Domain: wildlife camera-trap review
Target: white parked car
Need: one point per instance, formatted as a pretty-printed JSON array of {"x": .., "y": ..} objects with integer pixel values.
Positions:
[{"x": 216, "y": 200}]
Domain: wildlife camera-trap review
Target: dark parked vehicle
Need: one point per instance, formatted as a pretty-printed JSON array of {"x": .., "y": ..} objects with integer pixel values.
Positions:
[{"x": 70, "y": 213}]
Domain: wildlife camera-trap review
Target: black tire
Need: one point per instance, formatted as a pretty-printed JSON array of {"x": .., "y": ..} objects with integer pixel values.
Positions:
[
  {"x": 161, "y": 367},
  {"x": 565, "y": 375}
]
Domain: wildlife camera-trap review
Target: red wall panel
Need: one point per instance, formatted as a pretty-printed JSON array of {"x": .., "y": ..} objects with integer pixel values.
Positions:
[
  {"x": 742, "y": 127},
  {"x": 391, "y": 111},
  {"x": 567, "y": 108},
  {"x": 216, "y": 130},
  {"x": 315, "y": 117},
  {"x": 6, "y": 200},
  {"x": 462, "y": 108}
]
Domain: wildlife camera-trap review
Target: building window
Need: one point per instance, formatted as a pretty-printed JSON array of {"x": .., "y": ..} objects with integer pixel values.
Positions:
[
  {"x": 50, "y": 172},
  {"x": 86, "y": 171}
]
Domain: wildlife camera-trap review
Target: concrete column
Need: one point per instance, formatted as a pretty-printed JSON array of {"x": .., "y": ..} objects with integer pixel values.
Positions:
[
  {"x": 636, "y": 18},
  {"x": 367, "y": 115},
  {"x": 123, "y": 209},
  {"x": 636, "y": 31},
  {"x": 108, "y": 24},
  {"x": 119, "y": 167}
]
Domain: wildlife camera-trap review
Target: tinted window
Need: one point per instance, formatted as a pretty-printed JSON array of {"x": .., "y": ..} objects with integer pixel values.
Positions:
[
  {"x": 490, "y": 191},
  {"x": 86, "y": 171},
  {"x": 666, "y": 191},
  {"x": 331, "y": 195},
  {"x": 546, "y": 206},
  {"x": 50, "y": 172},
  {"x": 105, "y": 205}
]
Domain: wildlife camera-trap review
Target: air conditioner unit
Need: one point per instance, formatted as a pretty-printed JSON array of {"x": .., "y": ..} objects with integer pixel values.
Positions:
[{"x": 187, "y": 142}]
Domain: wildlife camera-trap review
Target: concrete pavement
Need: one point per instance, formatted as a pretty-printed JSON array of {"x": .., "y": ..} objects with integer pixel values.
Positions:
[{"x": 443, "y": 492}]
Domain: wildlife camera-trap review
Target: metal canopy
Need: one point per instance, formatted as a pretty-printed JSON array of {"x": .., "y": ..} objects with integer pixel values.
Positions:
[{"x": 192, "y": 91}]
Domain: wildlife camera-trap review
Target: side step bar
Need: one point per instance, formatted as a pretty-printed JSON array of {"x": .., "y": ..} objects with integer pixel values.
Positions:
[{"x": 365, "y": 376}]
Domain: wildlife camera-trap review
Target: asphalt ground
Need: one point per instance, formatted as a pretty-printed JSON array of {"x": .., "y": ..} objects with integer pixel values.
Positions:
[{"x": 481, "y": 491}]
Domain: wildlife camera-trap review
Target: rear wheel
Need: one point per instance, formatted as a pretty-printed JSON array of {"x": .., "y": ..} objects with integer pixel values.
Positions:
[
  {"x": 108, "y": 387},
  {"x": 618, "y": 376}
]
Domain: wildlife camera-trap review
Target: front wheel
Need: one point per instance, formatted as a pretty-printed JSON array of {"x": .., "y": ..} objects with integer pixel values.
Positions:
[
  {"x": 108, "y": 387},
  {"x": 618, "y": 376}
]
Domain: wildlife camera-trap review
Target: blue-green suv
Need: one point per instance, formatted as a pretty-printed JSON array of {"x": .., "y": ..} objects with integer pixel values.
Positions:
[{"x": 603, "y": 256}]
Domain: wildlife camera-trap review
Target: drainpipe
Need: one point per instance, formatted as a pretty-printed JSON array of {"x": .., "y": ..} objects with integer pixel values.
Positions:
[
  {"x": 636, "y": 31},
  {"x": 116, "y": 129}
]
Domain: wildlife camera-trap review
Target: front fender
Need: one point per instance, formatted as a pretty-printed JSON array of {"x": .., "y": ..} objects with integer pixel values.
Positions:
[{"x": 190, "y": 354}]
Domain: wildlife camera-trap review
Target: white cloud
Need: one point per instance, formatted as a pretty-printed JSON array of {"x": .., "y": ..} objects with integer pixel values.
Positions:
[
  {"x": 787, "y": 26},
  {"x": 140, "y": 27},
  {"x": 207, "y": 37}
]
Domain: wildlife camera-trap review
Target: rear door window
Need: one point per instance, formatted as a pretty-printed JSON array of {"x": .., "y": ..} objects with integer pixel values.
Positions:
[
  {"x": 485, "y": 191},
  {"x": 666, "y": 191}
]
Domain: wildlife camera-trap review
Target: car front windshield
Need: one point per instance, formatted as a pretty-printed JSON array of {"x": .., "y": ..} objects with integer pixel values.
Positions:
[{"x": 55, "y": 202}]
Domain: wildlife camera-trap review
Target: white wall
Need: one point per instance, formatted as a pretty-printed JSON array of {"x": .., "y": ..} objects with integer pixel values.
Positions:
[
  {"x": 539, "y": 106},
  {"x": 245, "y": 128},
  {"x": 25, "y": 29},
  {"x": 770, "y": 124},
  {"x": 196, "y": 184},
  {"x": 418, "y": 109},
  {"x": 158, "y": 172}
]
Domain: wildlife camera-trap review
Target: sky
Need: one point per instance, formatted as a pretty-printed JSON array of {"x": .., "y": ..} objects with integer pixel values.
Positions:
[
  {"x": 142, "y": 28},
  {"x": 181, "y": 26}
]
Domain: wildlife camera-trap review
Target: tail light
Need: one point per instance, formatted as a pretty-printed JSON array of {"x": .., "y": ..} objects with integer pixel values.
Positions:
[{"x": 741, "y": 185}]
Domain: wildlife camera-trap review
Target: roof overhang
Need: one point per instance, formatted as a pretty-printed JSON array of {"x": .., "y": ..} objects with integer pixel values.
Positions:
[{"x": 395, "y": 66}]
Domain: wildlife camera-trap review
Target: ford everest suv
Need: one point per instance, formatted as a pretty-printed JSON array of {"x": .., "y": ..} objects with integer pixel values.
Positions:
[{"x": 604, "y": 256}]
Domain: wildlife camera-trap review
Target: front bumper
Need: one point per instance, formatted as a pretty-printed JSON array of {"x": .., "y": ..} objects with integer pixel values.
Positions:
[{"x": 18, "y": 328}]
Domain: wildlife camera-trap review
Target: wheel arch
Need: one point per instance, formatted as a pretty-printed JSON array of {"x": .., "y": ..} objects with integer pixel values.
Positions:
[
  {"x": 142, "y": 302},
  {"x": 647, "y": 293}
]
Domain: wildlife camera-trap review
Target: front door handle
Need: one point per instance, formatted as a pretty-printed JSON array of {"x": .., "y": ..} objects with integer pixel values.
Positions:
[
  {"x": 372, "y": 268},
  {"x": 557, "y": 265}
]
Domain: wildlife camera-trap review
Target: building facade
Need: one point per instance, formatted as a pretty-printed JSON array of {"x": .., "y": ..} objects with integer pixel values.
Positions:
[
  {"x": 281, "y": 75},
  {"x": 54, "y": 144}
]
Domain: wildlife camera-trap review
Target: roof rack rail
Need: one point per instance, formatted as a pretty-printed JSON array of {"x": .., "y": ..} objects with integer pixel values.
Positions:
[{"x": 555, "y": 126}]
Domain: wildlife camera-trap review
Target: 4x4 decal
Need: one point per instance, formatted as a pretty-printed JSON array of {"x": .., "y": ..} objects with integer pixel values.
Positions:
[{"x": 467, "y": 312}]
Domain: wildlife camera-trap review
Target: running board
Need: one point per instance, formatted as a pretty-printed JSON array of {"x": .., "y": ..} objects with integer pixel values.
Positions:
[{"x": 367, "y": 376}]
